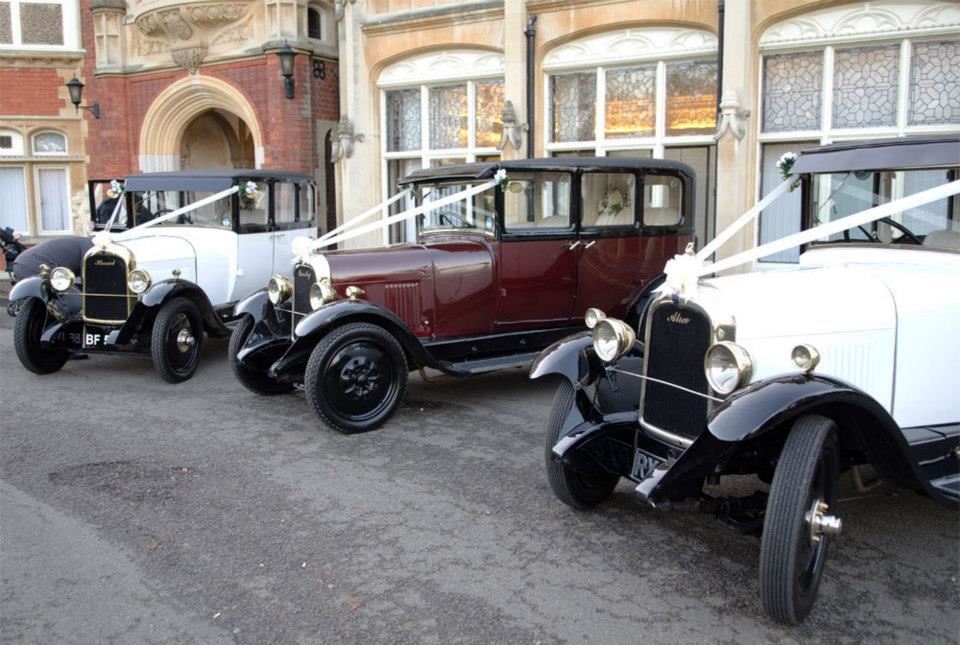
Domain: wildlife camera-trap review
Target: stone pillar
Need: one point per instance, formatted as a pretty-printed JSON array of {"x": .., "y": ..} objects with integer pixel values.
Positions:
[
  {"x": 515, "y": 72},
  {"x": 736, "y": 129}
]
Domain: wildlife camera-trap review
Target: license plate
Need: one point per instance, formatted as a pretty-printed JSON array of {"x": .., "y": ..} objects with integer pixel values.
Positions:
[
  {"x": 95, "y": 337},
  {"x": 644, "y": 464}
]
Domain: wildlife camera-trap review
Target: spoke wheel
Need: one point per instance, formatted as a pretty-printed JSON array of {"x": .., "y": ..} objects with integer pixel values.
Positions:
[
  {"x": 356, "y": 377},
  {"x": 570, "y": 487},
  {"x": 800, "y": 523},
  {"x": 176, "y": 340},
  {"x": 257, "y": 382},
  {"x": 27, "y": 331}
]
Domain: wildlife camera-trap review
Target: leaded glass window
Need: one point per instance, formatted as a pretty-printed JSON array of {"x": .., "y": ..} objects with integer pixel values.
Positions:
[
  {"x": 631, "y": 108},
  {"x": 50, "y": 143},
  {"x": 791, "y": 91},
  {"x": 403, "y": 120},
  {"x": 489, "y": 112},
  {"x": 448, "y": 117},
  {"x": 691, "y": 98},
  {"x": 935, "y": 83},
  {"x": 573, "y": 106},
  {"x": 865, "y": 86}
]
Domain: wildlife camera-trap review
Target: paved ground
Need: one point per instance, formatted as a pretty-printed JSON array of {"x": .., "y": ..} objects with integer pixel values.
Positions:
[{"x": 133, "y": 511}]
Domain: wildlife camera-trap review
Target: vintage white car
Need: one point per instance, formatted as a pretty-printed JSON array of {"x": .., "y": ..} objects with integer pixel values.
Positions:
[
  {"x": 195, "y": 243},
  {"x": 844, "y": 359}
]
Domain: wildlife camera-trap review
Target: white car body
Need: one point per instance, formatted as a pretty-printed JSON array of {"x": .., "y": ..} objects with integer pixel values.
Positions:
[{"x": 882, "y": 319}]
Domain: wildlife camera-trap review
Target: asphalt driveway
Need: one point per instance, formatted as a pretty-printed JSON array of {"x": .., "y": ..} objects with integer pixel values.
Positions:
[{"x": 134, "y": 511}]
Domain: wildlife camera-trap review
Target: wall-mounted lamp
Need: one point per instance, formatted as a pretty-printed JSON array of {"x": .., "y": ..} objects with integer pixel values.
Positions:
[
  {"x": 75, "y": 87},
  {"x": 286, "y": 54}
]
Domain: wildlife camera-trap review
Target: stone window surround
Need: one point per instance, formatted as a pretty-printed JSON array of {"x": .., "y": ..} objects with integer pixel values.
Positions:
[
  {"x": 39, "y": 153},
  {"x": 71, "y": 26}
]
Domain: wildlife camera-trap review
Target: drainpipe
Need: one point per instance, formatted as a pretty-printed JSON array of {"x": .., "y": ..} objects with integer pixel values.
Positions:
[
  {"x": 531, "y": 33},
  {"x": 716, "y": 161},
  {"x": 720, "y": 11}
]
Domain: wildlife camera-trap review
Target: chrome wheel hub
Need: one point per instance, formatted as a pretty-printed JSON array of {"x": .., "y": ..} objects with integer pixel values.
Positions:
[
  {"x": 185, "y": 340},
  {"x": 821, "y": 523}
]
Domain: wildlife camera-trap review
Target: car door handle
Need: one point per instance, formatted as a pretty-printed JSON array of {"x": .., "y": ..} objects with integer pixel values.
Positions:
[
  {"x": 574, "y": 245},
  {"x": 589, "y": 244}
]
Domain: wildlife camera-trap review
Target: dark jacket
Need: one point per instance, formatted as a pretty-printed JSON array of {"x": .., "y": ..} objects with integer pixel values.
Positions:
[{"x": 64, "y": 251}]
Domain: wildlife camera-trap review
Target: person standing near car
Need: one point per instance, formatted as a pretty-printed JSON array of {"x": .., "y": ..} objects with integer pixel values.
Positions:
[{"x": 67, "y": 251}]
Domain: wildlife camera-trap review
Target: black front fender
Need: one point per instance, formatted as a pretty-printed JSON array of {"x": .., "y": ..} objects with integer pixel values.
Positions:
[
  {"x": 257, "y": 305},
  {"x": 566, "y": 357},
  {"x": 32, "y": 287},
  {"x": 159, "y": 294}
]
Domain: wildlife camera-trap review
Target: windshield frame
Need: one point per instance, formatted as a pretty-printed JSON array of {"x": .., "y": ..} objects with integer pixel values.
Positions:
[{"x": 463, "y": 184}]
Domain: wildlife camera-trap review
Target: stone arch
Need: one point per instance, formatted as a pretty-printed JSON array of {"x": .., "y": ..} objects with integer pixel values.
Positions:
[{"x": 177, "y": 106}]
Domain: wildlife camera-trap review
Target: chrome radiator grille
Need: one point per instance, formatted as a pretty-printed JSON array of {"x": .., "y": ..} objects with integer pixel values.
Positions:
[
  {"x": 304, "y": 278},
  {"x": 678, "y": 339},
  {"x": 105, "y": 294}
]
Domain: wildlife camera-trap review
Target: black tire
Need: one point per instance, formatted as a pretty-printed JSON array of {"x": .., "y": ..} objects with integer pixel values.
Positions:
[
  {"x": 27, "y": 331},
  {"x": 176, "y": 361},
  {"x": 253, "y": 381},
  {"x": 356, "y": 377},
  {"x": 791, "y": 565},
  {"x": 570, "y": 487}
]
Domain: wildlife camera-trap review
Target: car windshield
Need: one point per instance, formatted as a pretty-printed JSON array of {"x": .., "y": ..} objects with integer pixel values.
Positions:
[
  {"x": 477, "y": 213},
  {"x": 148, "y": 205},
  {"x": 936, "y": 224}
]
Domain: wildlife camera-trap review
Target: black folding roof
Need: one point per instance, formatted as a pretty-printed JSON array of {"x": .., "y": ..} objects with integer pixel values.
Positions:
[
  {"x": 881, "y": 154},
  {"x": 486, "y": 170},
  {"x": 205, "y": 180}
]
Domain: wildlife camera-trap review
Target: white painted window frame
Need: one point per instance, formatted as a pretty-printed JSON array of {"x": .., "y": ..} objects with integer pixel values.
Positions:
[
  {"x": 17, "y": 149},
  {"x": 71, "y": 27},
  {"x": 36, "y": 153},
  {"x": 827, "y": 134},
  {"x": 38, "y": 224}
]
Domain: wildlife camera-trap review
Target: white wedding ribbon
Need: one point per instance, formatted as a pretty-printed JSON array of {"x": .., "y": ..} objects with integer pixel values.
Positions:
[
  {"x": 743, "y": 220},
  {"x": 405, "y": 215},
  {"x": 362, "y": 216},
  {"x": 104, "y": 236}
]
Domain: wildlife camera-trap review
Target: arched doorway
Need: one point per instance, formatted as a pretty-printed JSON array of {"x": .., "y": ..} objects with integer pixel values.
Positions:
[
  {"x": 200, "y": 121},
  {"x": 216, "y": 139}
]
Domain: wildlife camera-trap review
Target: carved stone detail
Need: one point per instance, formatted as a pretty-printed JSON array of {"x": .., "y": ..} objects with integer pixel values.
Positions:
[
  {"x": 189, "y": 57},
  {"x": 343, "y": 139},
  {"x": 512, "y": 129},
  {"x": 339, "y": 6},
  {"x": 626, "y": 45},
  {"x": 234, "y": 34},
  {"x": 443, "y": 65},
  {"x": 733, "y": 117}
]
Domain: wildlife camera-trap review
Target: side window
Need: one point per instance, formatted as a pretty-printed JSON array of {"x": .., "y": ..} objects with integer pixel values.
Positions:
[
  {"x": 662, "y": 200},
  {"x": 609, "y": 199},
  {"x": 537, "y": 202},
  {"x": 284, "y": 206},
  {"x": 308, "y": 205},
  {"x": 253, "y": 206}
]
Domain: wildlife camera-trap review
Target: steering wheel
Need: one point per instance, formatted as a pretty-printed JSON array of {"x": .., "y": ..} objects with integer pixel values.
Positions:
[{"x": 907, "y": 233}]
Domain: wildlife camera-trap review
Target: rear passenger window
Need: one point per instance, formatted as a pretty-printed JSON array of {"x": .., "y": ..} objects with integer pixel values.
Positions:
[
  {"x": 662, "y": 200},
  {"x": 308, "y": 205},
  {"x": 609, "y": 199},
  {"x": 253, "y": 206},
  {"x": 284, "y": 205},
  {"x": 539, "y": 201}
]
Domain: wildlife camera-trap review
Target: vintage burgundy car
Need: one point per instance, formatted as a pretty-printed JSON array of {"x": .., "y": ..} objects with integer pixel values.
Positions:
[{"x": 490, "y": 281}]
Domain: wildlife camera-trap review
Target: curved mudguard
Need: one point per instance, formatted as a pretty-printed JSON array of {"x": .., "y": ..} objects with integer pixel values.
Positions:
[
  {"x": 160, "y": 293},
  {"x": 566, "y": 357},
  {"x": 270, "y": 337},
  {"x": 32, "y": 287}
]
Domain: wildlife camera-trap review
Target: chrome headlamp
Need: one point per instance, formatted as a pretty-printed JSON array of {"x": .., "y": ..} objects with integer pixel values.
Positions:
[
  {"x": 321, "y": 293},
  {"x": 612, "y": 339},
  {"x": 279, "y": 289},
  {"x": 727, "y": 366},
  {"x": 62, "y": 279},
  {"x": 592, "y": 317},
  {"x": 805, "y": 357},
  {"x": 138, "y": 281}
]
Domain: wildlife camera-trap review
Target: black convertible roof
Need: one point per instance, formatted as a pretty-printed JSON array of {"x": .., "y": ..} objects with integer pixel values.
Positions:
[
  {"x": 486, "y": 170},
  {"x": 881, "y": 154},
  {"x": 204, "y": 180}
]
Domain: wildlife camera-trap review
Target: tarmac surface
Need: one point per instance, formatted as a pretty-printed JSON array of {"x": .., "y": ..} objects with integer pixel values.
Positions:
[{"x": 134, "y": 511}]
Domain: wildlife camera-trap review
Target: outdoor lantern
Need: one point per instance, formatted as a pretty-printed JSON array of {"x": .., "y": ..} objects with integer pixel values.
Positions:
[
  {"x": 75, "y": 87},
  {"x": 286, "y": 56}
]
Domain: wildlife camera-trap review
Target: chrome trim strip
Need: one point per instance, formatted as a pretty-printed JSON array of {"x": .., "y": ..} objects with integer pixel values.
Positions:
[
  {"x": 667, "y": 383},
  {"x": 669, "y": 437}
]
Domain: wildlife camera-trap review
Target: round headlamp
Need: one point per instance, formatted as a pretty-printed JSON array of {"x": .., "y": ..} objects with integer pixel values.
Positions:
[
  {"x": 612, "y": 339},
  {"x": 279, "y": 289},
  {"x": 321, "y": 293},
  {"x": 728, "y": 366},
  {"x": 62, "y": 278},
  {"x": 592, "y": 317},
  {"x": 805, "y": 357},
  {"x": 138, "y": 281}
]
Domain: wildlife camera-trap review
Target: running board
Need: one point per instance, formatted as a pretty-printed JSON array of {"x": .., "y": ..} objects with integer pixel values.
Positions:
[
  {"x": 492, "y": 364},
  {"x": 949, "y": 486}
]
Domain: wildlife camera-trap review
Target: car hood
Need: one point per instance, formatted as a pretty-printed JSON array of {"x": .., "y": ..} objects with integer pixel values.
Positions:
[
  {"x": 402, "y": 263},
  {"x": 161, "y": 254}
]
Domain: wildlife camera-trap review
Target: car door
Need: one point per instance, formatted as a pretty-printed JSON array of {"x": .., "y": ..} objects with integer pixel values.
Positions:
[
  {"x": 255, "y": 241},
  {"x": 629, "y": 228},
  {"x": 294, "y": 214},
  {"x": 537, "y": 268}
]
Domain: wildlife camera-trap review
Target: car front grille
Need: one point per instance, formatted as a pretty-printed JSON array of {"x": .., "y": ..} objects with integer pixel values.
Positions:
[
  {"x": 304, "y": 278},
  {"x": 678, "y": 339},
  {"x": 105, "y": 294}
]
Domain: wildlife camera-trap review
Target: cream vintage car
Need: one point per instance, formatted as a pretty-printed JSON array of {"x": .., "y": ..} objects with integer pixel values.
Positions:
[
  {"x": 846, "y": 358},
  {"x": 194, "y": 243}
]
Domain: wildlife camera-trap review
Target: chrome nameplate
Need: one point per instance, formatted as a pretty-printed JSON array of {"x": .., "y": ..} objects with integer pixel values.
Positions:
[{"x": 677, "y": 318}]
